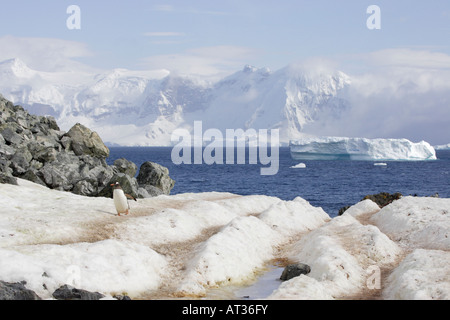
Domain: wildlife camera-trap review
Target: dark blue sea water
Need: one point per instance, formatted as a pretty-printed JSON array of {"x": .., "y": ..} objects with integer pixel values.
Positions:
[{"x": 330, "y": 184}]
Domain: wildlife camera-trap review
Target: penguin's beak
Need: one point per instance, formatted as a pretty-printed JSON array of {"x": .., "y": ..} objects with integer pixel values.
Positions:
[{"x": 112, "y": 184}]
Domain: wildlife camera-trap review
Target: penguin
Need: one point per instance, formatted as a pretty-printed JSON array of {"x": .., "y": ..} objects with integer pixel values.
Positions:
[{"x": 120, "y": 199}]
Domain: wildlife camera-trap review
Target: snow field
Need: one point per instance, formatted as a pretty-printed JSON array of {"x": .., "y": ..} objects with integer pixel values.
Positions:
[
  {"x": 182, "y": 245},
  {"x": 54, "y": 233}
]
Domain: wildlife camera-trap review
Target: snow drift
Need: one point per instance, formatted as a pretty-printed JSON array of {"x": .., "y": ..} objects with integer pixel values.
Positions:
[
  {"x": 184, "y": 245},
  {"x": 335, "y": 148}
]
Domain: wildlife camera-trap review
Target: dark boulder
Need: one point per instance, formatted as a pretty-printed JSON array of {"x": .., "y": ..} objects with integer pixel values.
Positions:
[
  {"x": 294, "y": 270},
  {"x": 156, "y": 175},
  {"x": 16, "y": 291},
  {"x": 67, "y": 292}
]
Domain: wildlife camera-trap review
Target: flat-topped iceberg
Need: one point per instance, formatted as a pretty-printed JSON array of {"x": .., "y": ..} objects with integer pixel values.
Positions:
[
  {"x": 443, "y": 147},
  {"x": 336, "y": 148}
]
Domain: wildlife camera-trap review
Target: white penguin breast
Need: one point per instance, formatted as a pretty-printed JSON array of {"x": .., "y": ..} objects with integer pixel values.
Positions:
[{"x": 120, "y": 200}]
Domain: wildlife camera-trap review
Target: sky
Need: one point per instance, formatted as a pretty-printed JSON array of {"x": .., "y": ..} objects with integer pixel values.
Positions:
[
  {"x": 214, "y": 38},
  {"x": 222, "y": 36}
]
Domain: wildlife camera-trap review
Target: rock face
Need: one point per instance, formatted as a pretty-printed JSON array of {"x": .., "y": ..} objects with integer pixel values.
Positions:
[{"x": 34, "y": 148}]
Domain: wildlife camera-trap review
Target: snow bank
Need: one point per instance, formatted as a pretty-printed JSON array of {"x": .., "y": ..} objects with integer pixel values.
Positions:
[
  {"x": 184, "y": 244},
  {"x": 323, "y": 148},
  {"x": 423, "y": 274},
  {"x": 243, "y": 246},
  {"x": 417, "y": 222},
  {"x": 230, "y": 256},
  {"x": 340, "y": 254},
  {"x": 108, "y": 266},
  {"x": 362, "y": 208}
]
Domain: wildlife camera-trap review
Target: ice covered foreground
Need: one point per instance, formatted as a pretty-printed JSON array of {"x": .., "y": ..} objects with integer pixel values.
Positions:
[
  {"x": 335, "y": 148},
  {"x": 182, "y": 245}
]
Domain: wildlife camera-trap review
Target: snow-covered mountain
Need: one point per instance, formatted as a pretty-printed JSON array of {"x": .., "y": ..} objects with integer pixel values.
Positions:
[{"x": 143, "y": 108}]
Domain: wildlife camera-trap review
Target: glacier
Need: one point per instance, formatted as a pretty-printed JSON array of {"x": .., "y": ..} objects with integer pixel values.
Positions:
[{"x": 340, "y": 148}]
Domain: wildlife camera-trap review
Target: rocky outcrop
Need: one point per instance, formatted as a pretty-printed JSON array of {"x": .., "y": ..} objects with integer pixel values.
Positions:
[
  {"x": 34, "y": 148},
  {"x": 16, "y": 291},
  {"x": 67, "y": 292},
  {"x": 382, "y": 199}
]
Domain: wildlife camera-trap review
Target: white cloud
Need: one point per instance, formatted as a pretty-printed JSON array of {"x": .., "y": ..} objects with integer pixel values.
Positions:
[
  {"x": 408, "y": 58},
  {"x": 44, "y": 54},
  {"x": 405, "y": 93},
  {"x": 206, "y": 61}
]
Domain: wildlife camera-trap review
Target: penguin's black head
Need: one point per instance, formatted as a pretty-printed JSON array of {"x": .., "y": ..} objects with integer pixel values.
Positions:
[{"x": 116, "y": 185}]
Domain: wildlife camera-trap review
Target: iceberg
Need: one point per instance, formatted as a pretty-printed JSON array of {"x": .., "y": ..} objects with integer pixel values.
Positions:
[
  {"x": 341, "y": 148},
  {"x": 443, "y": 147},
  {"x": 301, "y": 165}
]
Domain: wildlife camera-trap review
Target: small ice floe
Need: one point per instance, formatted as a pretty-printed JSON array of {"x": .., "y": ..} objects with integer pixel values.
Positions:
[
  {"x": 383, "y": 164},
  {"x": 300, "y": 165}
]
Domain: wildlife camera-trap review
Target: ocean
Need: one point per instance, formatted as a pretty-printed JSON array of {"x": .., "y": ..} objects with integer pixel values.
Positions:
[{"x": 330, "y": 184}]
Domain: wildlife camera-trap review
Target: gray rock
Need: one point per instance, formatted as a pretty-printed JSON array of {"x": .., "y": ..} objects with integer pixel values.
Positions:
[
  {"x": 21, "y": 160},
  {"x": 10, "y": 136},
  {"x": 294, "y": 270},
  {"x": 33, "y": 176},
  {"x": 156, "y": 175},
  {"x": 128, "y": 184},
  {"x": 16, "y": 291},
  {"x": 5, "y": 178},
  {"x": 149, "y": 191},
  {"x": 125, "y": 166},
  {"x": 87, "y": 142},
  {"x": 67, "y": 292},
  {"x": 34, "y": 148}
]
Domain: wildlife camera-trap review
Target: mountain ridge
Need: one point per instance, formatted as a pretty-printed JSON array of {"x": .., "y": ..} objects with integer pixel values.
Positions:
[{"x": 132, "y": 108}]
